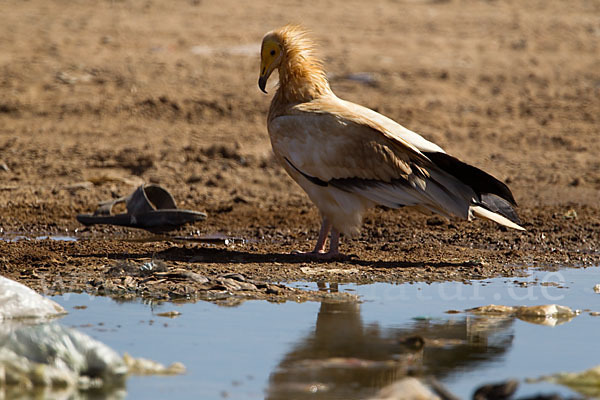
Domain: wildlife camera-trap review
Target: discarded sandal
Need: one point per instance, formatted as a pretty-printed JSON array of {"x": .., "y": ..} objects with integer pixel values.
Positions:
[{"x": 149, "y": 207}]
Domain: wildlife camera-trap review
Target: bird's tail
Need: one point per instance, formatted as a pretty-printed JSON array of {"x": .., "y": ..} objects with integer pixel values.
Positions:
[{"x": 494, "y": 200}]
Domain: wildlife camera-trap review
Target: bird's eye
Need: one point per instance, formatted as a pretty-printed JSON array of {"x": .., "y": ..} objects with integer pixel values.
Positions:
[{"x": 272, "y": 52}]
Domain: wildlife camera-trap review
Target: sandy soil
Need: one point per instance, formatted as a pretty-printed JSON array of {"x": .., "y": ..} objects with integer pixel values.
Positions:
[{"x": 98, "y": 97}]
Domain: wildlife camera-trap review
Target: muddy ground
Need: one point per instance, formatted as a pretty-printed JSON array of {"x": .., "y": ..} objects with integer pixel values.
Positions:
[{"x": 98, "y": 97}]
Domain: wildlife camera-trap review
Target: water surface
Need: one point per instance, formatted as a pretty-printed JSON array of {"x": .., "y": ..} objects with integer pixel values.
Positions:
[{"x": 348, "y": 351}]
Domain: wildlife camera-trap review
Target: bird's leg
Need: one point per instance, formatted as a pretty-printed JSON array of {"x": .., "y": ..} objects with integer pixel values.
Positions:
[
  {"x": 334, "y": 244},
  {"x": 334, "y": 248},
  {"x": 320, "y": 246}
]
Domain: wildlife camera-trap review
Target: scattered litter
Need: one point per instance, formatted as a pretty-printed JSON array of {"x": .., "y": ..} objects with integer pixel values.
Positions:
[
  {"x": 597, "y": 288},
  {"x": 60, "y": 358},
  {"x": 153, "y": 266},
  {"x": 595, "y": 314},
  {"x": 150, "y": 207},
  {"x": 130, "y": 268},
  {"x": 51, "y": 355},
  {"x": 19, "y": 301}
]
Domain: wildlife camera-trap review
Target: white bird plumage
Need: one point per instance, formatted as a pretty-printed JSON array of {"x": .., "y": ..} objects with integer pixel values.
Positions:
[{"x": 349, "y": 158}]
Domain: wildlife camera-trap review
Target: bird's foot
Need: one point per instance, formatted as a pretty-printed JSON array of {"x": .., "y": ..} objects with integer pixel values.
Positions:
[{"x": 321, "y": 255}]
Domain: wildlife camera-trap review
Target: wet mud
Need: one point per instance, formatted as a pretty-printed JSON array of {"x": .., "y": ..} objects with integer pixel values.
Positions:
[{"x": 106, "y": 96}]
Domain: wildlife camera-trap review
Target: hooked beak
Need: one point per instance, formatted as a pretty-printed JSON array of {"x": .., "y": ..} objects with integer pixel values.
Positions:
[
  {"x": 266, "y": 69},
  {"x": 262, "y": 82}
]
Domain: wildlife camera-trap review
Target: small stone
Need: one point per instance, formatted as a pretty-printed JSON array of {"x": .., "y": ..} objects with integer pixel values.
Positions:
[
  {"x": 193, "y": 276},
  {"x": 272, "y": 289},
  {"x": 169, "y": 314},
  {"x": 129, "y": 281},
  {"x": 235, "y": 276},
  {"x": 571, "y": 214},
  {"x": 547, "y": 310},
  {"x": 230, "y": 284},
  {"x": 493, "y": 309}
]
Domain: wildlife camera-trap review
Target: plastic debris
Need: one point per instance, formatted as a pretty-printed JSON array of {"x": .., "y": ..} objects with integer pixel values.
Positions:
[
  {"x": 50, "y": 355},
  {"x": 55, "y": 357},
  {"x": 597, "y": 288},
  {"x": 18, "y": 301}
]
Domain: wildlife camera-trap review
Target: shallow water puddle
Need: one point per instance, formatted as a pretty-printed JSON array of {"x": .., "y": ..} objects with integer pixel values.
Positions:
[
  {"x": 59, "y": 238},
  {"x": 349, "y": 351}
]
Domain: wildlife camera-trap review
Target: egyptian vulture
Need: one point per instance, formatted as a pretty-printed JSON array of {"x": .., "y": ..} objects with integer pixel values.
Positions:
[{"x": 348, "y": 158}]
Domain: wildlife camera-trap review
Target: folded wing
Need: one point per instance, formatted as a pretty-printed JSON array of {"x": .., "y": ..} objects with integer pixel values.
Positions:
[{"x": 335, "y": 143}]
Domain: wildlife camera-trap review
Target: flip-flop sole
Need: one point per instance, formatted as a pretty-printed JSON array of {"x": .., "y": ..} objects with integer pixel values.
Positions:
[{"x": 155, "y": 221}]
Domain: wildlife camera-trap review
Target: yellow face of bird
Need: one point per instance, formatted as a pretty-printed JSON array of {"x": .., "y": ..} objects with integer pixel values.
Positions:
[{"x": 270, "y": 58}]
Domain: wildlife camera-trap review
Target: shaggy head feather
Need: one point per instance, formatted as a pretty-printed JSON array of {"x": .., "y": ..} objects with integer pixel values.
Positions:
[{"x": 301, "y": 74}]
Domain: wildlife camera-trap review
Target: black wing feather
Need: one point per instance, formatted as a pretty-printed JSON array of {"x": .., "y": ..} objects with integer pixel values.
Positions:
[
  {"x": 481, "y": 182},
  {"x": 493, "y": 194}
]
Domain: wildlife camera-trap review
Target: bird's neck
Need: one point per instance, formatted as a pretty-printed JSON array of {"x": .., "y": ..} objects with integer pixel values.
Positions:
[{"x": 301, "y": 78}]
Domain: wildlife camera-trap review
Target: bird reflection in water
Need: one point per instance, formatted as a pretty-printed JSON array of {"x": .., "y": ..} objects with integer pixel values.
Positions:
[{"x": 347, "y": 359}]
